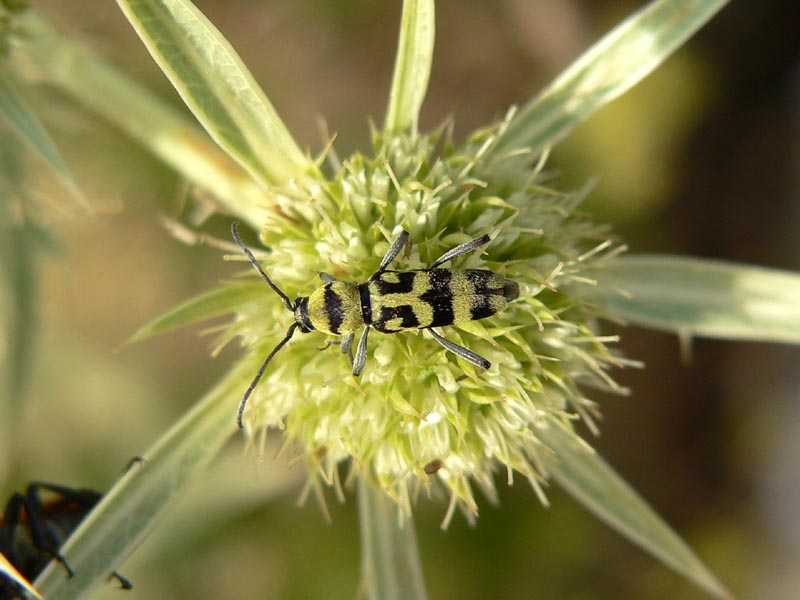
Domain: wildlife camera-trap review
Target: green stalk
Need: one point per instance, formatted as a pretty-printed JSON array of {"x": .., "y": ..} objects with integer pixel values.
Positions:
[{"x": 390, "y": 565}]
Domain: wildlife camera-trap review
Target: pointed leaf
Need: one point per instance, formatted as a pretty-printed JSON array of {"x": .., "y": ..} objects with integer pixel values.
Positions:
[
  {"x": 130, "y": 510},
  {"x": 412, "y": 67},
  {"x": 390, "y": 563},
  {"x": 217, "y": 87},
  {"x": 219, "y": 301},
  {"x": 625, "y": 56},
  {"x": 696, "y": 297},
  {"x": 591, "y": 481},
  {"x": 16, "y": 112}
]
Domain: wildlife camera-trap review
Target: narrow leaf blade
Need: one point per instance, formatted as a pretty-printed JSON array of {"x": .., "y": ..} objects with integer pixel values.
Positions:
[
  {"x": 21, "y": 119},
  {"x": 412, "y": 67},
  {"x": 218, "y": 301},
  {"x": 591, "y": 481},
  {"x": 217, "y": 87},
  {"x": 129, "y": 511},
  {"x": 622, "y": 58},
  {"x": 707, "y": 298}
]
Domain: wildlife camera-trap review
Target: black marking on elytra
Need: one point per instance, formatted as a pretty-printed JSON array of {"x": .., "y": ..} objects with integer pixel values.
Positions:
[
  {"x": 481, "y": 308},
  {"x": 482, "y": 281},
  {"x": 440, "y": 297},
  {"x": 333, "y": 309},
  {"x": 404, "y": 312},
  {"x": 404, "y": 284}
]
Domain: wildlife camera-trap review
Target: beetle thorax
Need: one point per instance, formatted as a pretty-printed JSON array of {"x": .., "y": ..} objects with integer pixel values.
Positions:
[{"x": 335, "y": 308}]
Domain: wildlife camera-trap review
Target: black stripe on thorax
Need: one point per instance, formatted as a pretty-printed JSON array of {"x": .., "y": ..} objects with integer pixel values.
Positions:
[
  {"x": 366, "y": 303},
  {"x": 333, "y": 309}
]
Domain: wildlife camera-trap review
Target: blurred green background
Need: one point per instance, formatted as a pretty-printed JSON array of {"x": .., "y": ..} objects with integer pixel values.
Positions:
[{"x": 703, "y": 158}]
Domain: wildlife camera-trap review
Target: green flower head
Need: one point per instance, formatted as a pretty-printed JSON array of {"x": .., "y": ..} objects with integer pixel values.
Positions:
[{"x": 418, "y": 413}]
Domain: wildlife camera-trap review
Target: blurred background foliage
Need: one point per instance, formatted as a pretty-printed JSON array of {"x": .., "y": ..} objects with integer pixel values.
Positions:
[{"x": 701, "y": 159}]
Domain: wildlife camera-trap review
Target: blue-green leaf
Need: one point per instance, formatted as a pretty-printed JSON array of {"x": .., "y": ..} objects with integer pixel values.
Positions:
[
  {"x": 625, "y": 56},
  {"x": 218, "y": 301},
  {"x": 707, "y": 298},
  {"x": 217, "y": 87},
  {"x": 130, "y": 510},
  {"x": 591, "y": 481},
  {"x": 412, "y": 67}
]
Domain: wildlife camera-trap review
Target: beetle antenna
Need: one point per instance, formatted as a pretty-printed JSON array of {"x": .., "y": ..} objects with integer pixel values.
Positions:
[
  {"x": 286, "y": 301},
  {"x": 257, "y": 378}
]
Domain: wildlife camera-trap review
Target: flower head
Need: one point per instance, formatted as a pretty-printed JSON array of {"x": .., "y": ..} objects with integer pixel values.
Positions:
[{"x": 417, "y": 412}]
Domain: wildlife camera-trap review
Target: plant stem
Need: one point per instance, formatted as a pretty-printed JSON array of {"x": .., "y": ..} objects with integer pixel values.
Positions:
[{"x": 390, "y": 564}]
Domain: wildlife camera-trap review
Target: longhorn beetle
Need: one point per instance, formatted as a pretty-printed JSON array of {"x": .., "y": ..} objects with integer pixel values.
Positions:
[
  {"x": 32, "y": 530},
  {"x": 393, "y": 301}
]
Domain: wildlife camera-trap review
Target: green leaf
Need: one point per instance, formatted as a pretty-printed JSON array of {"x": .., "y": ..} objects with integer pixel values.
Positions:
[
  {"x": 412, "y": 67},
  {"x": 226, "y": 490},
  {"x": 696, "y": 297},
  {"x": 591, "y": 481},
  {"x": 16, "y": 112},
  {"x": 219, "y": 301},
  {"x": 217, "y": 87},
  {"x": 130, "y": 510},
  {"x": 625, "y": 56},
  {"x": 18, "y": 249},
  {"x": 390, "y": 565}
]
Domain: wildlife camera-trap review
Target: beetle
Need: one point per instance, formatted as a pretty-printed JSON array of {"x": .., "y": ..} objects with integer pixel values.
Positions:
[
  {"x": 33, "y": 529},
  {"x": 391, "y": 302}
]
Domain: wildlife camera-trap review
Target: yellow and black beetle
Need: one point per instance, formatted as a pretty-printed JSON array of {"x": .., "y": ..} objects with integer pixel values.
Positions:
[{"x": 393, "y": 301}]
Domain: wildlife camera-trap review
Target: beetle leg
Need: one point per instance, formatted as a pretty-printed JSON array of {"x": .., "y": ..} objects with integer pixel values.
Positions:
[
  {"x": 11, "y": 520},
  {"x": 395, "y": 249},
  {"x": 42, "y": 535},
  {"x": 328, "y": 344},
  {"x": 347, "y": 346},
  {"x": 469, "y": 355},
  {"x": 461, "y": 250},
  {"x": 361, "y": 353},
  {"x": 124, "y": 582}
]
